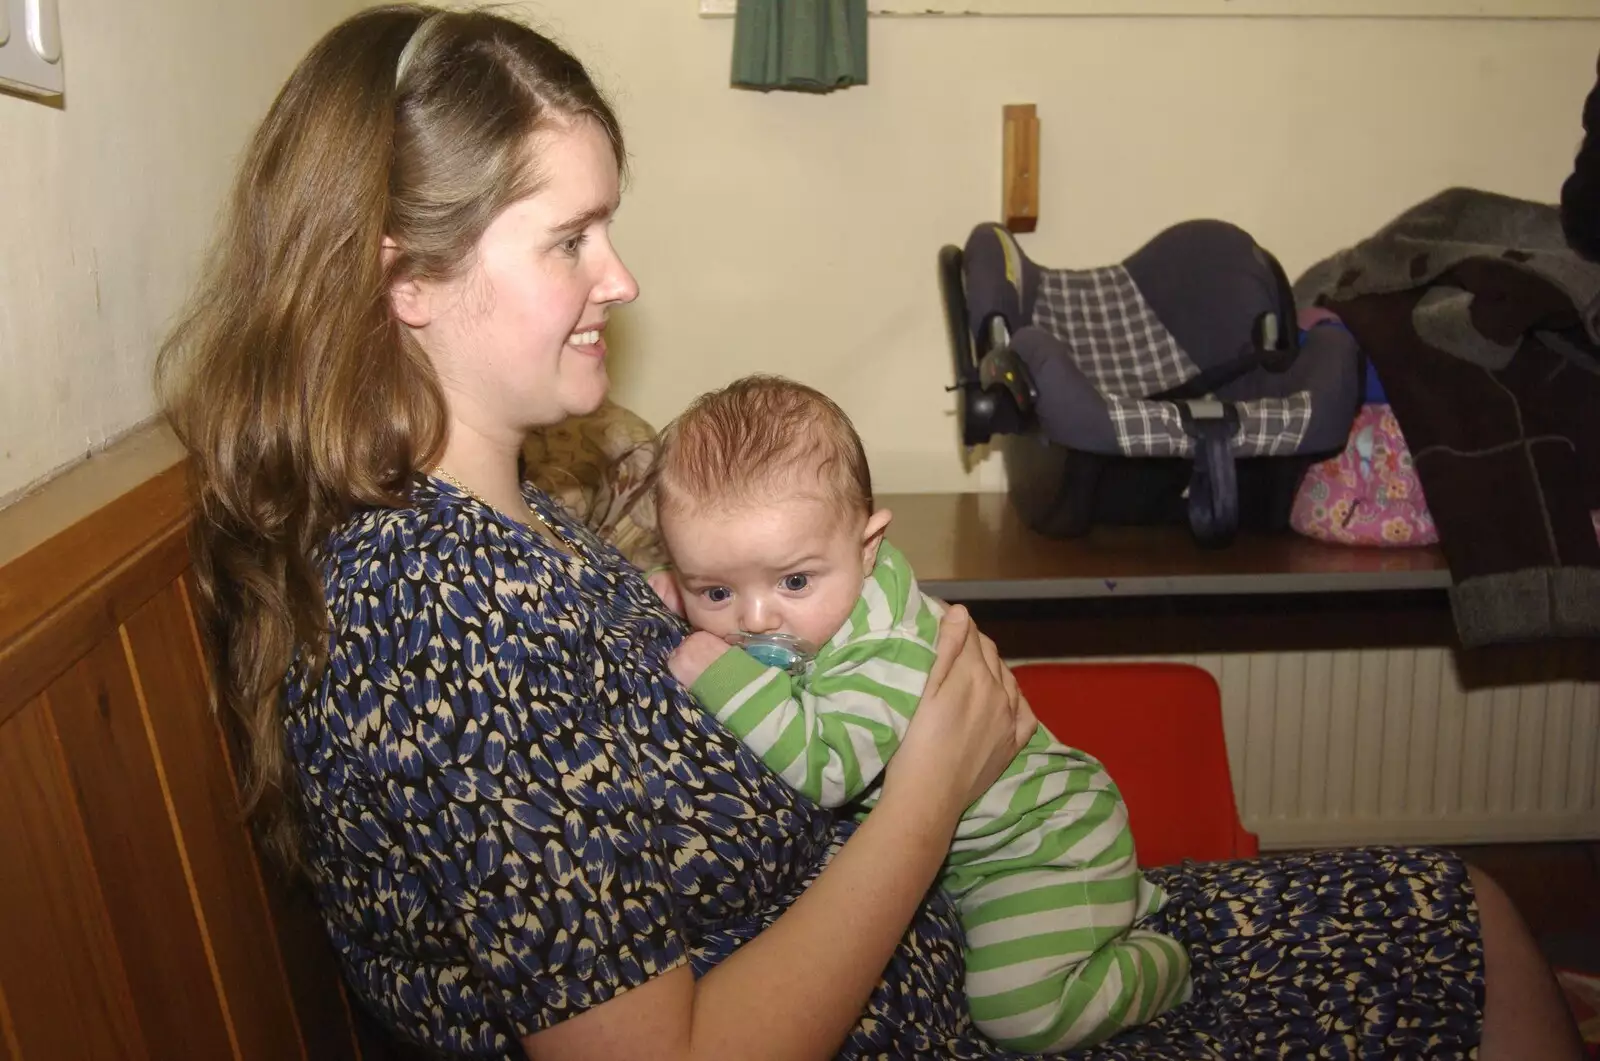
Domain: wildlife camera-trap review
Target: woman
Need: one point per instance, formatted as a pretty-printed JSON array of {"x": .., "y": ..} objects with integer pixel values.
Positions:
[{"x": 454, "y": 697}]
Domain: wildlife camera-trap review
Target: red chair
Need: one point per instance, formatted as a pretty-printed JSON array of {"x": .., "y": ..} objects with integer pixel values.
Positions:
[{"x": 1157, "y": 727}]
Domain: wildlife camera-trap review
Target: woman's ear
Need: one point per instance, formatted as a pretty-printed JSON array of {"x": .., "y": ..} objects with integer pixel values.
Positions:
[
  {"x": 872, "y": 537},
  {"x": 407, "y": 298}
]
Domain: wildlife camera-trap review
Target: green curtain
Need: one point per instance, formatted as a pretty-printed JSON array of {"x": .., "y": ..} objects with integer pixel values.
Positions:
[{"x": 800, "y": 45}]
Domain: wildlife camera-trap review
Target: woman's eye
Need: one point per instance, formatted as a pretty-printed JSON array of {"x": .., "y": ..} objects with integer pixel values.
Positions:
[
  {"x": 796, "y": 583},
  {"x": 717, "y": 594},
  {"x": 573, "y": 244}
]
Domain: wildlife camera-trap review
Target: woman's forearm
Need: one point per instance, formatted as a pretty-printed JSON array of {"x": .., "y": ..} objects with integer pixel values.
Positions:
[{"x": 795, "y": 991}]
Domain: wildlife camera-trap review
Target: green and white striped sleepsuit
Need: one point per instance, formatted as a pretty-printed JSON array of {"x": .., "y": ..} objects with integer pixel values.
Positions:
[{"x": 1042, "y": 866}]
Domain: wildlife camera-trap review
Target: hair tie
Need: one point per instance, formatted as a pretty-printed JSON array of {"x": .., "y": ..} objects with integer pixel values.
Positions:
[{"x": 418, "y": 35}]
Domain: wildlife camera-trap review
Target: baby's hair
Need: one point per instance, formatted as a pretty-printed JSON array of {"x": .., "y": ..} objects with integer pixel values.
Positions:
[{"x": 757, "y": 439}]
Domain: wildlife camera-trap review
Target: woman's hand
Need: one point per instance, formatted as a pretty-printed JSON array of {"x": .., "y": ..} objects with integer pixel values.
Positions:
[{"x": 969, "y": 724}]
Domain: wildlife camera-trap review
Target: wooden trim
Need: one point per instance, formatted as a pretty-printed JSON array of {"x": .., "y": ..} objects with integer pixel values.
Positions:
[
  {"x": 79, "y": 492},
  {"x": 61, "y": 597}
]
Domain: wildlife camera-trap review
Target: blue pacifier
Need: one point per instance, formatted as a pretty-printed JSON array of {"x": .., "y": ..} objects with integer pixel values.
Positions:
[{"x": 783, "y": 651}]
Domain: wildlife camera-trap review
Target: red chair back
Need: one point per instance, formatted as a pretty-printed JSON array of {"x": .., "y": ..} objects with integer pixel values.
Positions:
[{"x": 1157, "y": 727}]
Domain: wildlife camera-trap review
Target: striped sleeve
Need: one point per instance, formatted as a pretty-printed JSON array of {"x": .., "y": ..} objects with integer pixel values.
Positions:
[{"x": 830, "y": 733}]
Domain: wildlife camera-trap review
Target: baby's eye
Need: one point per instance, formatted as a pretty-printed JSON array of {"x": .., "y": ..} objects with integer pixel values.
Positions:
[
  {"x": 716, "y": 594},
  {"x": 796, "y": 583}
]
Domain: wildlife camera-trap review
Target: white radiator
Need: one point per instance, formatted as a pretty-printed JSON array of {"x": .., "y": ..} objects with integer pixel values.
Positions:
[{"x": 1385, "y": 746}]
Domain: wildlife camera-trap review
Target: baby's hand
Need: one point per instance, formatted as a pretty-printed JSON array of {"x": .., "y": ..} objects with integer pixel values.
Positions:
[{"x": 698, "y": 651}]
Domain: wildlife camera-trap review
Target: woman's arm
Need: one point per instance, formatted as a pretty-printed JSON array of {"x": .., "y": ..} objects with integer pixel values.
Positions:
[{"x": 796, "y": 990}]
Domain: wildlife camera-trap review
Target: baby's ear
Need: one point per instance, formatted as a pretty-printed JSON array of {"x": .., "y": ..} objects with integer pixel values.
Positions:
[
  {"x": 665, "y": 582},
  {"x": 872, "y": 537}
]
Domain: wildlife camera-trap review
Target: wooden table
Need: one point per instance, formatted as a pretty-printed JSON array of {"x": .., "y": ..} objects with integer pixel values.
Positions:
[{"x": 1123, "y": 590}]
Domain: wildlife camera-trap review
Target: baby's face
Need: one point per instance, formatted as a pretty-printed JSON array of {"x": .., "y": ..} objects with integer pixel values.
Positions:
[{"x": 791, "y": 567}]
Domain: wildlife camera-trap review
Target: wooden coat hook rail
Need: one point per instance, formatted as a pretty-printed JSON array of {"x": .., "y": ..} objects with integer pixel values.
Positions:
[{"x": 1019, "y": 204}]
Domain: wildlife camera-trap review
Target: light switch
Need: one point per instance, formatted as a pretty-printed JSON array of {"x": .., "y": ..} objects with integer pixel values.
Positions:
[
  {"x": 30, "y": 47},
  {"x": 43, "y": 20}
]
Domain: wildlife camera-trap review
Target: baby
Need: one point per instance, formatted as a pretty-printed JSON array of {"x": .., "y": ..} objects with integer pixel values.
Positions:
[{"x": 765, "y": 507}]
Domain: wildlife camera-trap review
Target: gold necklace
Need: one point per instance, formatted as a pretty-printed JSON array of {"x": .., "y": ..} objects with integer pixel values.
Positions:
[{"x": 538, "y": 525}]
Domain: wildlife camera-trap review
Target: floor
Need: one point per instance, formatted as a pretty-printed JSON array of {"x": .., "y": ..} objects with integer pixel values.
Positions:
[{"x": 1557, "y": 888}]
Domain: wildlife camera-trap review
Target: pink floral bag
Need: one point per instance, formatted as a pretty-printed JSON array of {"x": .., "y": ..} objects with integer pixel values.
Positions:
[{"x": 1369, "y": 494}]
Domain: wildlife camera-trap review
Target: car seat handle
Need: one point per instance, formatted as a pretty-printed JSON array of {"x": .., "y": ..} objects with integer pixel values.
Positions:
[{"x": 1213, "y": 479}]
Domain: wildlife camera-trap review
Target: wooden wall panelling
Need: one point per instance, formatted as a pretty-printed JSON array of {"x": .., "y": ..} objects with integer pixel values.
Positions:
[
  {"x": 282, "y": 1006},
  {"x": 60, "y": 968},
  {"x": 313, "y": 972},
  {"x": 112, "y": 765},
  {"x": 8, "y": 1034}
]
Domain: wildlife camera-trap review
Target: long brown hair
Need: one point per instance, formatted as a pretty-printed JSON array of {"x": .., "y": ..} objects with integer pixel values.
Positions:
[{"x": 294, "y": 389}]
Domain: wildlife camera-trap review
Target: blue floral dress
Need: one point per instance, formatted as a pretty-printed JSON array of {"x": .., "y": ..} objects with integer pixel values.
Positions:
[{"x": 514, "y": 813}]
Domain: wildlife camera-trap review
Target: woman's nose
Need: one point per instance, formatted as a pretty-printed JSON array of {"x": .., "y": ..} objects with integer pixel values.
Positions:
[{"x": 617, "y": 286}]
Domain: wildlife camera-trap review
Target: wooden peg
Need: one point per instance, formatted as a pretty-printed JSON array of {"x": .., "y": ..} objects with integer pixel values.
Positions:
[{"x": 1019, "y": 203}]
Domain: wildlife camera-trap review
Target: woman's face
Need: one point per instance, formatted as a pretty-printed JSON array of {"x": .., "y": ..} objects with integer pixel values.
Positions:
[{"x": 518, "y": 338}]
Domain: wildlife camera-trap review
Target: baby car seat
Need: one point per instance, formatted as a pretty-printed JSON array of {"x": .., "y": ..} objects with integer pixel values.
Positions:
[{"x": 1173, "y": 386}]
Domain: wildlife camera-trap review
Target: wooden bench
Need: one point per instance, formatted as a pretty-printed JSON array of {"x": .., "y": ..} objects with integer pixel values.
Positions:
[{"x": 136, "y": 918}]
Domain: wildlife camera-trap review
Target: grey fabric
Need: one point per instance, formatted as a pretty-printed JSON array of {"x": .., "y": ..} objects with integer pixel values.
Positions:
[
  {"x": 1114, "y": 335},
  {"x": 1207, "y": 282},
  {"x": 1329, "y": 367},
  {"x": 1509, "y": 456},
  {"x": 1432, "y": 237},
  {"x": 1575, "y": 355},
  {"x": 1272, "y": 427},
  {"x": 1071, "y": 411},
  {"x": 1526, "y": 605},
  {"x": 1124, "y": 352},
  {"x": 1268, "y": 428},
  {"x": 1443, "y": 318},
  {"x": 999, "y": 278}
]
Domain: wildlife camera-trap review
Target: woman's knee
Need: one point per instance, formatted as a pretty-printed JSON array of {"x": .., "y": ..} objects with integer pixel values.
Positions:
[
  {"x": 1524, "y": 1014},
  {"x": 1498, "y": 918},
  {"x": 1486, "y": 889}
]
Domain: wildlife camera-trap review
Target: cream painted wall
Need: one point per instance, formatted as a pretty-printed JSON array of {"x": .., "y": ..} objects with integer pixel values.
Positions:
[
  {"x": 797, "y": 234},
  {"x": 105, "y": 204},
  {"x": 782, "y": 233}
]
